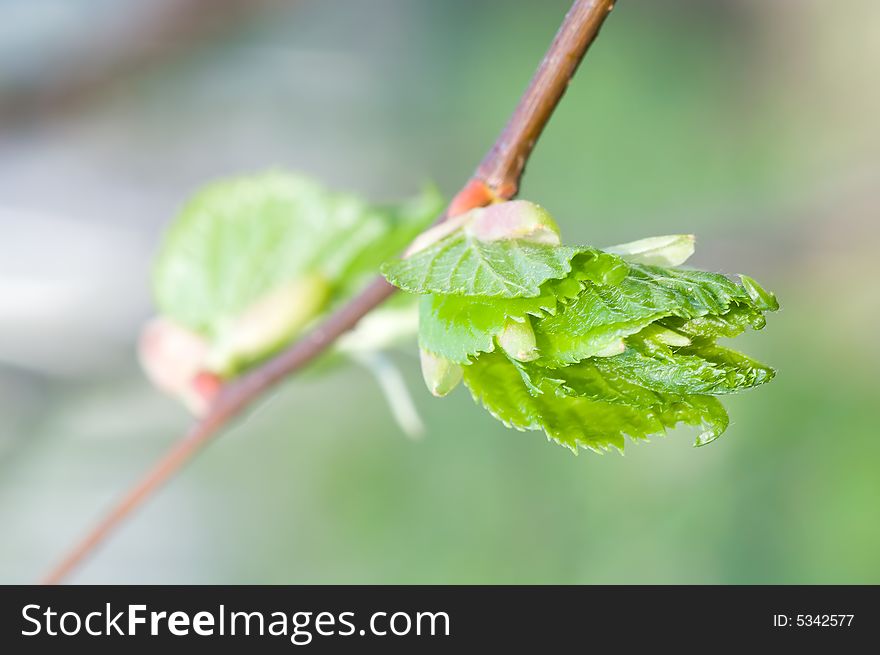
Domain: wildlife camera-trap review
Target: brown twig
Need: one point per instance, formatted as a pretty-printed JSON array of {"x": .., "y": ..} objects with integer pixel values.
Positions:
[
  {"x": 503, "y": 166},
  {"x": 498, "y": 174}
]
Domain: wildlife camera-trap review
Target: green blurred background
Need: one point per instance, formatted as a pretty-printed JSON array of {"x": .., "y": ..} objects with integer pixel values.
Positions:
[{"x": 753, "y": 124}]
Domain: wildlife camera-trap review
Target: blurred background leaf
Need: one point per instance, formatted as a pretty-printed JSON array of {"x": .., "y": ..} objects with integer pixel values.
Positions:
[{"x": 751, "y": 124}]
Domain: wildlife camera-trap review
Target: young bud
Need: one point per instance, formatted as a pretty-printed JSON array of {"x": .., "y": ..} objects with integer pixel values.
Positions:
[
  {"x": 654, "y": 334},
  {"x": 517, "y": 219},
  {"x": 671, "y": 338},
  {"x": 173, "y": 358},
  {"x": 170, "y": 354},
  {"x": 670, "y": 250},
  {"x": 518, "y": 340},
  {"x": 269, "y": 323},
  {"x": 441, "y": 375}
]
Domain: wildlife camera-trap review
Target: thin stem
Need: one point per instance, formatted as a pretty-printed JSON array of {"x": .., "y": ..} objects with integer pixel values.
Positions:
[
  {"x": 503, "y": 166},
  {"x": 500, "y": 171}
]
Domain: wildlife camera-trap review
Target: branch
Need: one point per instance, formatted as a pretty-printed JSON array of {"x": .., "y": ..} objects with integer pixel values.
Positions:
[
  {"x": 497, "y": 177},
  {"x": 503, "y": 166}
]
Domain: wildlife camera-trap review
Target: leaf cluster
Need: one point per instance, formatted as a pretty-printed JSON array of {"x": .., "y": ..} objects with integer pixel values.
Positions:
[
  {"x": 251, "y": 261},
  {"x": 590, "y": 346}
]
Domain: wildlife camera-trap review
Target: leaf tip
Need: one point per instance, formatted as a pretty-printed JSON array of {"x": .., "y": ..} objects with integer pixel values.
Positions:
[{"x": 762, "y": 298}]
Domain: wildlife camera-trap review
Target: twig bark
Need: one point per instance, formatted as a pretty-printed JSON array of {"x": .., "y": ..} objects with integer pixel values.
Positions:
[
  {"x": 503, "y": 166},
  {"x": 497, "y": 177}
]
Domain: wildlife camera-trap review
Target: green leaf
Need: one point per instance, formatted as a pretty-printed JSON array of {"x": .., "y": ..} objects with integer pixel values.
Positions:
[
  {"x": 703, "y": 367},
  {"x": 251, "y": 262},
  {"x": 499, "y": 384},
  {"x": 456, "y": 329},
  {"x": 460, "y": 327},
  {"x": 730, "y": 324},
  {"x": 604, "y": 314},
  {"x": 585, "y": 379},
  {"x": 239, "y": 240},
  {"x": 461, "y": 264}
]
